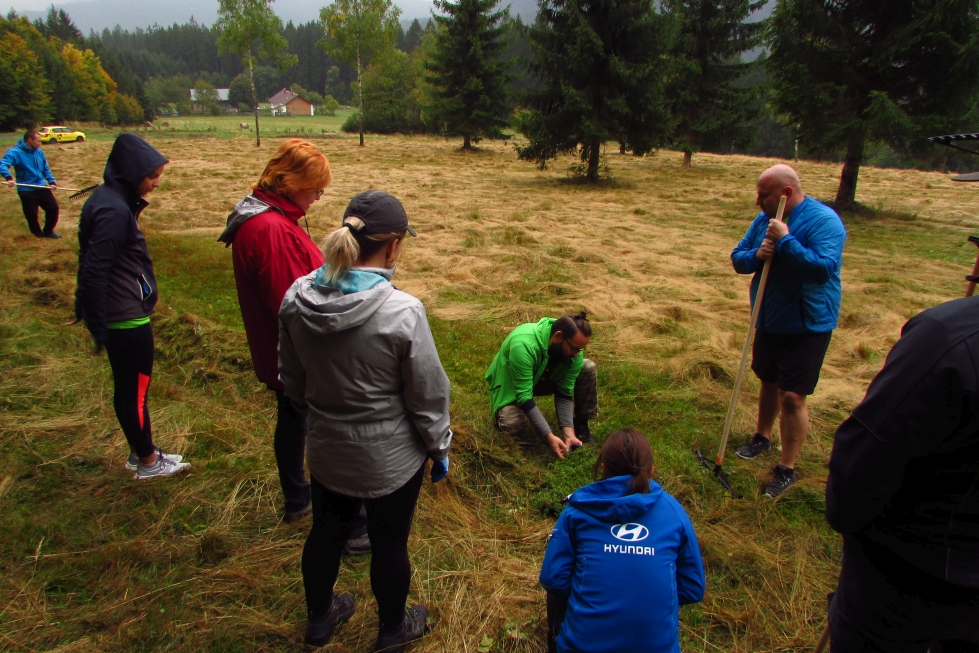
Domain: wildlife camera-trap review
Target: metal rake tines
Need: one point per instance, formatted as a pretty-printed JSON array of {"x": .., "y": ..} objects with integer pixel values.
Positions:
[
  {"x": 718, "y": 473},
  {"x": 82, "y": 194}
]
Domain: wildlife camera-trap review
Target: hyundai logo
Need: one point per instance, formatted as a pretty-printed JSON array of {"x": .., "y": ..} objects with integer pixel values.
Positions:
[{"x": 630, "y": 532}]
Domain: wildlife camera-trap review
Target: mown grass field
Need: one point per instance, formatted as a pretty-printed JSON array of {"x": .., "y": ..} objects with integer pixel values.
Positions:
[
  {"x": 227, "y": 126},
  {"x": 92, "y": 562}
]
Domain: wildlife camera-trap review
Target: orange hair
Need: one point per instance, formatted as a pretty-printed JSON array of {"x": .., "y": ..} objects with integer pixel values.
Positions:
[{"x": 297, "y": 166}]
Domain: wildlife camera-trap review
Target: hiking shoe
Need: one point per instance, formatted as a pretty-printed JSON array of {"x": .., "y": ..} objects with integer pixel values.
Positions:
[
  {"x": 414, "y": 626},
  {"x": 319, "y": 631},
  {"x": 357, "y": 545},
  {"x": 582, "y": 432},
  {"x": 162, "y": 467},
  {"x": 296, "y": 515},
  {"x": 754, "y": 447},
  {"x": 782, "y": 478},
  {"x": 134, "y": 459},
  {"x": 52, "y": 235}
]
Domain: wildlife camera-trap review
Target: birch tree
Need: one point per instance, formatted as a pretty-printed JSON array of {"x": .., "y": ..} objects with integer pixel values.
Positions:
[{"x": 247, "y": 25}]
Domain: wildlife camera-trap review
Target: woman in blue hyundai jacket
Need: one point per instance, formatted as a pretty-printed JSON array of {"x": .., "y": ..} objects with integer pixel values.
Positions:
[{"x": 622, "y": 559}]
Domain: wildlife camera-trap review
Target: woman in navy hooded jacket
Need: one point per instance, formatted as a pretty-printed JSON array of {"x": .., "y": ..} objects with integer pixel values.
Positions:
[
  {"x": 117, "y": 292},
  {"x": 622, "y": 559}
]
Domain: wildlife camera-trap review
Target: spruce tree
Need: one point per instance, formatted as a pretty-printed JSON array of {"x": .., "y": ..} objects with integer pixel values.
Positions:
[
  {"x": 468, "y": 75},
  {"x": 601, "y": 68},
  {"x": 848, "y": 73},
  {"x": 707, "y": 102}
]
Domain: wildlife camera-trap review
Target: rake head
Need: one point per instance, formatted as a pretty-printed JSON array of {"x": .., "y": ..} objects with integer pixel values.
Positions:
[
  {"x": 82, "y": 194},
  {"x": 718, "y": 473}
]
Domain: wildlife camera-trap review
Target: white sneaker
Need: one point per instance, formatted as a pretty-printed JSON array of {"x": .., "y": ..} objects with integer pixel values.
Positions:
[
  {"x": 134, "y": 459},
  {"x": 163, "y": 466}
]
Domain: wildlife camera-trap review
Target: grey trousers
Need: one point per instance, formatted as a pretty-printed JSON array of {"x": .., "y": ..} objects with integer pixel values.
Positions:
[{"x": 511, "y": 419}]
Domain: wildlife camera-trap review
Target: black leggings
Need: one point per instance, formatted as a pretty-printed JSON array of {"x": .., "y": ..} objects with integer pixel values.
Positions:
[
  {"x": 388, "y": 524},
  {"x": 131, "y": 357}
]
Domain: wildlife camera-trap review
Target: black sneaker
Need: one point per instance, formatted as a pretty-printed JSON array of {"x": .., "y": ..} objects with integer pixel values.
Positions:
[
  {"x": 413, "y": 627},
  {"x": 319, "y": 631},
  {"x": 582, "y": 432},
  {"x": 754, "y": 447},
  {"x": 782, "y": 478}
]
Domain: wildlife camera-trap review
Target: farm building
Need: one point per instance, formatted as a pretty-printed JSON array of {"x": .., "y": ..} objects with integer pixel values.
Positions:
[{"x": 287, "y": 102}]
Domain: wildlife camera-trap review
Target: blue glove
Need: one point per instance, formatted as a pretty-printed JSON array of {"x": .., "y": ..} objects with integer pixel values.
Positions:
[{"x": 440, "y": 469}]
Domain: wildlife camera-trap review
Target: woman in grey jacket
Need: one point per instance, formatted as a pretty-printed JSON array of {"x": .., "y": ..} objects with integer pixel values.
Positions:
[{"x": 357, "y": 357}]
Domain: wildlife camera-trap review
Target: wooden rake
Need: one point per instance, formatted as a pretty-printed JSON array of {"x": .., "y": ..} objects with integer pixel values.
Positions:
[
  {"x": 717, "y": 467},
  {"x": 79, "y": 193}
]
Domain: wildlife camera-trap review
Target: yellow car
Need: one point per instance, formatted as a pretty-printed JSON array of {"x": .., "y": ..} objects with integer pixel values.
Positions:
[{"x": 58, "y": 134}]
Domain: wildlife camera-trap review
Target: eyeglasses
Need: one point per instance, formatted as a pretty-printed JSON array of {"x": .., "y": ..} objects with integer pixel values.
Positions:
[
  {"x": 320, "y": 192},
  {"x": 574, "y": 351}
]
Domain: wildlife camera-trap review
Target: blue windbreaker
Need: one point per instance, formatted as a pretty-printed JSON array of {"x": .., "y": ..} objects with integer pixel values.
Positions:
[
  {"x": 628, "y": 562},
  {"x": 30, "y": 165},
  {"x": 803, "y": 291}
]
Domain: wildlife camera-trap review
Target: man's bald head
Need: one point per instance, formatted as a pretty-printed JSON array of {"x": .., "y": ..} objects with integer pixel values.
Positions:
[{"x": 775, "y": 182}]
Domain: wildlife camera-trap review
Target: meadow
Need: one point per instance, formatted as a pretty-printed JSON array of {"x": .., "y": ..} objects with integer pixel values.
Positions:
[{"x": 93, "y": 562}]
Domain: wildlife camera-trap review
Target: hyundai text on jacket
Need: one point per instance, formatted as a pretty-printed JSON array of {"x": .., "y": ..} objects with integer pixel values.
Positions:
[
  {"x": 803, "y": 291},
  {"x": 360, "y": 362},
  {"x": 628, "y": 563},
  {"x": 904, "y": 471},
  {"x": 115, "y": 273}
]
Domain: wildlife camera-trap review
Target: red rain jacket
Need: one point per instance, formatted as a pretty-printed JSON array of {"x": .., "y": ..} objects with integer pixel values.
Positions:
[{"x": 270, "y": 251}]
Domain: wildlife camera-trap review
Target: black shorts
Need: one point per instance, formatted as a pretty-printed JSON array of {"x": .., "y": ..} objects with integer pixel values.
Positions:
[{"x": 791, "y": 360}]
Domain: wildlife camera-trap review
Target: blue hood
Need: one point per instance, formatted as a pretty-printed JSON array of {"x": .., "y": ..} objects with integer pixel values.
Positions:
[{"x": 605, "y": 502}]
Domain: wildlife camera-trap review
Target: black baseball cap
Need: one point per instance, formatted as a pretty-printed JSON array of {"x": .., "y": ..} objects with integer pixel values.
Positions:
[{"x": 381, "y": 212}]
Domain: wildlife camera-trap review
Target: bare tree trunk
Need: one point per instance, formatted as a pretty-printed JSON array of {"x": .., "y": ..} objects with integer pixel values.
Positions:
[
  {"x": 360, "y": 97},
  {"x": 621, "y": 147},
  {"x": 687, "y": 159},
  {"x": 251, "y": 78},
  {"x": 467, "y": 142},
  {"x": 593, "y": 159},
  {"x": 846, "y": 194}
]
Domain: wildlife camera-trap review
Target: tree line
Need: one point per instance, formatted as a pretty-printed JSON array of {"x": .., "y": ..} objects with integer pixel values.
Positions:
[{"x": 852, "y": 81}]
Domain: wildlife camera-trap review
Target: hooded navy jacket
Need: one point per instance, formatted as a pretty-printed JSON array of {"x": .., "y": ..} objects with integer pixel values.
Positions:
[
  {"x": 115, "y": 274},
  {"x": 628, "y": 562}
]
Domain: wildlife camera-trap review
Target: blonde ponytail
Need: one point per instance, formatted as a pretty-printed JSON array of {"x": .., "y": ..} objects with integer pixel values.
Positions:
[{"x": 343, "y": 248}]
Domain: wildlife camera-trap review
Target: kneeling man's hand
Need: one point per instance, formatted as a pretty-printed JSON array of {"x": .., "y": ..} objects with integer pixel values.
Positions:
[
  {"x": 571, "y": 439},
  {"x": 556, "y": 445}
]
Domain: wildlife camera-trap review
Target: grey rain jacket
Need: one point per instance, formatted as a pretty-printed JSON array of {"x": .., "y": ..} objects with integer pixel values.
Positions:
[{"x": 364, "y": 369}]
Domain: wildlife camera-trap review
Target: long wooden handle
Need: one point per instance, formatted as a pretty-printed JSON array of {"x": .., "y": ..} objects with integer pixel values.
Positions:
[
  {"x": 747, "y": 345},
  {"x": 73, "y": 190}
]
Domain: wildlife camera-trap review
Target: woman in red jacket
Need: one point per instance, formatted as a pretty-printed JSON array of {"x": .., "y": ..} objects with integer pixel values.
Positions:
[{"x": 270, "y": 251}]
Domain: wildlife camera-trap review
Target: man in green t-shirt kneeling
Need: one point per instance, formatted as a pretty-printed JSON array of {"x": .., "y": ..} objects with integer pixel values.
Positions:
[{"x": 546, "y": 358}]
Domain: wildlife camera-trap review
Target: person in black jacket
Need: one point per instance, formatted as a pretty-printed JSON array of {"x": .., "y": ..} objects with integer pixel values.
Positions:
[
  {"x": 117, "y": 292},
  {"x": 904, "y": 491}
]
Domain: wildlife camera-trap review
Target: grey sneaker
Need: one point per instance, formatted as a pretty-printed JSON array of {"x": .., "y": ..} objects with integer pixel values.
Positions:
[
  {"x": 133, "y": 460},
  {"x": 782, "y": 478},
  {"x": 319, "y": 631},
  {"x": 414, "y": 626},
  {"x": 296, "y": 515},
  {"x": 162, "y": 467},
  {"x": 754, "y": 447}
]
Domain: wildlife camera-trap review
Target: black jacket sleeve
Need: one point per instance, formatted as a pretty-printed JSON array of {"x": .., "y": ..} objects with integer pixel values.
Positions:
[
  {"x": 916, "y": 401},
  {"x": 108, "y": 231}
]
